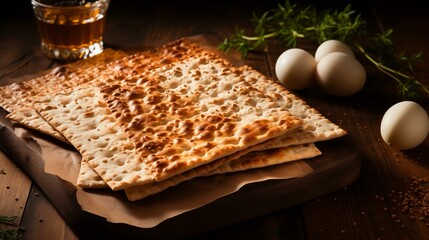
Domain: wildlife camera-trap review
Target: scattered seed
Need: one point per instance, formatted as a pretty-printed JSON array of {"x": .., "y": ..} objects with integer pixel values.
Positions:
[{"x": 415, "y": 200}]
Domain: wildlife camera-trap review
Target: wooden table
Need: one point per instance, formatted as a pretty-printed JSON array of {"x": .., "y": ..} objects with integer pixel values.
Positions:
[{"x": 372, "y": 207}]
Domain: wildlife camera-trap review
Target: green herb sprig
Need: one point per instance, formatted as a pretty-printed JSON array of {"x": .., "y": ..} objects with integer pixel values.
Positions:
[
  {"x": 290, "y": 24},
  {"x": 11, "y": 233}
]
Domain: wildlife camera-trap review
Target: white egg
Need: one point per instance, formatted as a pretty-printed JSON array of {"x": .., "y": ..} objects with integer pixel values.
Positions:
[
  {"x": 340, "y": 74},
  {"x": 331, "y": 46},
  {"x": 295, "y": 69},
  {"x": 405, "y": 125}
]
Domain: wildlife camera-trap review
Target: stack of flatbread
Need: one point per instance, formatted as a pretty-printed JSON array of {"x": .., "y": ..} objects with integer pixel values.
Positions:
[{"x": 153, "y": 119}]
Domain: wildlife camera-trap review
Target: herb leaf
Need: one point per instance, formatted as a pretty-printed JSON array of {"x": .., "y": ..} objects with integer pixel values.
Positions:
[
  {"x": 290, "y": 24},
  {"x": 11, "y": 233}
]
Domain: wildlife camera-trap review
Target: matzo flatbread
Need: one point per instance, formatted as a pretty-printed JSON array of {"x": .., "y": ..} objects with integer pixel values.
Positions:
[
  {"x": 134, "y": 69},
  {"x": 179, "y": 107},
  {"x": 16, "y": 98},
  {"x": 250, "y": 159},
  {"x": 17, "y": 95},
  {"x": 30, "y": 118},
  {"x": 316, "y": 127},
  {"x": 86, "y": 121},
  {"x": 192, "y": 113},
  {"x": 89, "y": 178},
  {"x": 269, "y": 157}
]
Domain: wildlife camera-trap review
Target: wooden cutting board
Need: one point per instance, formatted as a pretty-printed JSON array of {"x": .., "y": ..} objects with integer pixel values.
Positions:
[{"x": 337, "y": 167}]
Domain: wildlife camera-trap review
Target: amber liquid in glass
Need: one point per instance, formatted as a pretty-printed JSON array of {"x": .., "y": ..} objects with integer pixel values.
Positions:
[
  {"x": 71, "y": 30},
  {"x": 75, "y": 36}
]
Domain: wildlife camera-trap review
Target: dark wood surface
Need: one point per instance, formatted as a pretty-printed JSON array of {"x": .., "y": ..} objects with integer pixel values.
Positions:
[{"x": 372, "y": 207}]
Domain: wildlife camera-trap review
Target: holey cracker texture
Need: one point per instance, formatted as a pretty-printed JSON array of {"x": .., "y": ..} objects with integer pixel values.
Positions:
[
  {"x": 181, "y": 108},
  {"x": 296, "y": 144},
  {"x": 174, "y": 125},
  {"x": 316, "y": 127},
  {"x": 60, "y": 78},
  {"x": 248, "y": 160},
  {"x": 17, "y": 98},
  {"x": 192, "y": 112},
  {"x": 87, "y": 123}
]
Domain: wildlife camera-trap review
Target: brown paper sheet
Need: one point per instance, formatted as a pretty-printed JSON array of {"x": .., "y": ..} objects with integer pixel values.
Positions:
[{"x": 64, "y": 162}]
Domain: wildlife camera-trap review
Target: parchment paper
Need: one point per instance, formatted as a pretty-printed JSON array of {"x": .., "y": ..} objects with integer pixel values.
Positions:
[{"x": 64, "y": 161}]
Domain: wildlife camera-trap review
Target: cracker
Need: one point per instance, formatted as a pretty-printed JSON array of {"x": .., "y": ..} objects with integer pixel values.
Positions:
[
  {"x": 253, "y": 159},
  {"x": 17, "y": 97},
  {"x": 192, "y": 112},
  {"x": 182, "y": 72},
  {"x": 316, "y": 127},
  {"x": 86, "y": 121},
  {"x": 32, "y": 119},
  {"x": 258, "y": 159},
  {"x": 89, "y": 178}
]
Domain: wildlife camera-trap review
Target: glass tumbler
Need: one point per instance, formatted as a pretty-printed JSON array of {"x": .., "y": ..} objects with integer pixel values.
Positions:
[{"x": 70, "y": 29}]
